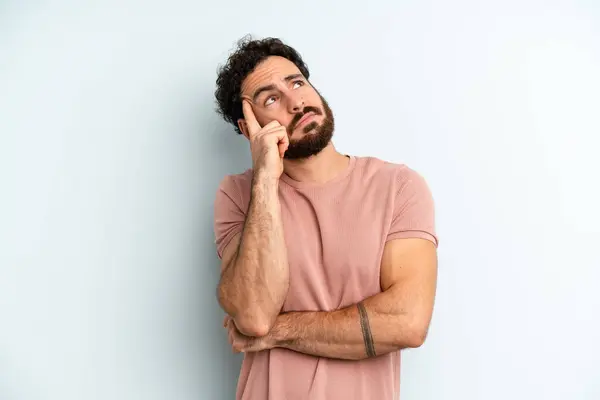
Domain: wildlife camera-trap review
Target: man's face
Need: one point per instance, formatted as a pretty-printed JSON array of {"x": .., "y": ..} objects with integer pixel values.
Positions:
[{"x": 278, "y": 91}]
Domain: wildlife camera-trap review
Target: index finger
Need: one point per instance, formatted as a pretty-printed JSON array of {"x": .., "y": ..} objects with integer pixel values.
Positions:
[{"x": 251, "y": 122}]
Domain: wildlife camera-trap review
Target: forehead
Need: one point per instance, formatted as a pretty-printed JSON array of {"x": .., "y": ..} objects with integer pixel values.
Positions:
[{"x": 272, "y": 70}]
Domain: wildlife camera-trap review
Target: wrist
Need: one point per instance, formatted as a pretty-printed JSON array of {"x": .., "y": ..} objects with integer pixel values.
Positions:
[
  {"x": 281, "y": 332},
  {"x": 263, "y": 178}
]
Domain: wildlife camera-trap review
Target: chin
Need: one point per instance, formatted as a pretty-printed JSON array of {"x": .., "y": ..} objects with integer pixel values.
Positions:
[{"x": 313, "y": 127}]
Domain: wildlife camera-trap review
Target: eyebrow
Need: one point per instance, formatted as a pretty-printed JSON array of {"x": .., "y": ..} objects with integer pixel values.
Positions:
[{"x": 272, "y": 87}]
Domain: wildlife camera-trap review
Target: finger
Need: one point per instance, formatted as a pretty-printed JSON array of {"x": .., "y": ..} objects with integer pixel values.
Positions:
[
  {"x": 271, "y": 126},
  {"x": 251, "y": 122},
  {"x": 283, "y": 144},
  {"x": 242, "y": 345},
  {"x": 278, "y": 131},
  {"x": 282, "y": 138},
  {"x": 232, "y": 343},
  {"x": 238, "y": 341},
  {"x": 255, "y": 344},
  {"x": 230, "y": 334},
  {"x": 230, "y": 324},
  {"x": 282, "y": 150},
  {"x": 237, "y": 345}
]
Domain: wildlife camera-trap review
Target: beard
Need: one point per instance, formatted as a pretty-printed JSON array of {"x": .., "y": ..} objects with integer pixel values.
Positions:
[{"x": 313, "y": 142}]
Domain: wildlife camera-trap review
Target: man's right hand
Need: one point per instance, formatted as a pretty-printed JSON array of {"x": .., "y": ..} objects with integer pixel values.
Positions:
[{"x": 268, "y": 144}]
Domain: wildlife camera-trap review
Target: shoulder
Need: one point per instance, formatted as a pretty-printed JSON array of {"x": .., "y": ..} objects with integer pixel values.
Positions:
[
  {"x": 236, "y": 184},
  {"x": 235, "y": 189},
  {"x": 394, "y": 173}
]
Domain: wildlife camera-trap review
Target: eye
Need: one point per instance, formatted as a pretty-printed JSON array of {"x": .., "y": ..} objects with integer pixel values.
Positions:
[
  {"x": 298, "y": 84},
  {"x": 270, "y": 100}
]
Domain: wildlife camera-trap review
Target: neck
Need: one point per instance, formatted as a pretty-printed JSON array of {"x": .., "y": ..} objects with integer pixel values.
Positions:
[{"x": 319, "y": 168}]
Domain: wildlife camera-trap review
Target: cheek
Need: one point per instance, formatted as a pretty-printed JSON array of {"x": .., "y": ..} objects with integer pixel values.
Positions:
[
  {"x": 263, "y": 117},
  {"x": 312, "y": 94},
  {"x": 315, "y": 100},
  {"x": 279, "y": 115}
]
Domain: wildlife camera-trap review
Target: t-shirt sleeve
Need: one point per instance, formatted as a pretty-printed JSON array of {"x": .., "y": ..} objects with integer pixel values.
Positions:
[
  {"x": 229, "y": 217},
  {"x": 414, "y": 213}
]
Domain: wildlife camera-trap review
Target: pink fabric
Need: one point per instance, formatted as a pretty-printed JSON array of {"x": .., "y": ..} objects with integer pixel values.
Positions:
[{"x": 335, "y": 235}]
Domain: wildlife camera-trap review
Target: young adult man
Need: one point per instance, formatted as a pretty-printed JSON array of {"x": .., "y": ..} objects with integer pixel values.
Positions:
[{"x": 329, "y": 261}]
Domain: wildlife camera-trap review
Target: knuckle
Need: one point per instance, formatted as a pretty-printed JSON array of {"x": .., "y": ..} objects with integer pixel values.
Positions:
[
  {"x": 278, "y": 131},
  {"x": 264, "y": 139}
]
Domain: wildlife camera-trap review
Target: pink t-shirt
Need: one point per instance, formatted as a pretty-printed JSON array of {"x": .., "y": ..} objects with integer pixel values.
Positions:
[{"x": 335, "y": 235}]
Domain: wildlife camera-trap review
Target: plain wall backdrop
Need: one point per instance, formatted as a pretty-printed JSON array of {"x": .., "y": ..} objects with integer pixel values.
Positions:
[{"x": 111, "y": 152}]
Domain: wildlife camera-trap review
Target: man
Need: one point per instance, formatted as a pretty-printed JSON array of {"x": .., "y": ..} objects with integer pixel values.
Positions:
[{"x": 329, "y": 261}]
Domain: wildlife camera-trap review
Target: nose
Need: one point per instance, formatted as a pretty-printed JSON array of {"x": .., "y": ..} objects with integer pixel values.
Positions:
[{"x": 296, "y": 104}]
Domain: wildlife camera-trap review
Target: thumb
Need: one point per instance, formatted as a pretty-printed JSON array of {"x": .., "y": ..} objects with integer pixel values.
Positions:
[{"x": 283, "y": 144}]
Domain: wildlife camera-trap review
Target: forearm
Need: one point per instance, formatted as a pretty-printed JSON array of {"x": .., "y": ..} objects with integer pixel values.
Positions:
[
  {"x": 346, "y": 334},
  {"x": 253, "y": 287}
]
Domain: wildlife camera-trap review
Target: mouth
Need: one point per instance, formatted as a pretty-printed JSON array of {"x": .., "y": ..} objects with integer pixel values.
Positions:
[{"x": 305, "y": 119}]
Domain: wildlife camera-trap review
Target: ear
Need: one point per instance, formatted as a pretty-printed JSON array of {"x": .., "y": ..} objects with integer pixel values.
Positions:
[{"x": 243, "y": 127}]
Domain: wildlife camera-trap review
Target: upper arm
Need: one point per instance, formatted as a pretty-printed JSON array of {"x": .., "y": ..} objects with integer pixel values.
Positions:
[
  {"x": 230, "y": 252},
  {"x": 229, "y": 219},
  {"x": 409, "y": 274},
  {"x": 228, "y": 222},
  {"x": 409, "y": 262}
]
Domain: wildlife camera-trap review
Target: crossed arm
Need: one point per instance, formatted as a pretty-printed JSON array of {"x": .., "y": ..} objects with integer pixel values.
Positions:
[
  {"x": 394, "y": 319},
  {"x": 254, "y": 270}
]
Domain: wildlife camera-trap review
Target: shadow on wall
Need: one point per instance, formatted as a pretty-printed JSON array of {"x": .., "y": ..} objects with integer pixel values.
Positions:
[{"x": 222, "y": 151}]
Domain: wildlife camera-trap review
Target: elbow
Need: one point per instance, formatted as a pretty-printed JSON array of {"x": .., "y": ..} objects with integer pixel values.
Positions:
[
  {"x": 417, "y": 335},
  {"x": 414, "y": 335},
  {"x": 250, "y": 325},
  {"x": 416, "y": 338},
  {"x": 253, "y": 328},
  {"x": 250, "y": 321}
]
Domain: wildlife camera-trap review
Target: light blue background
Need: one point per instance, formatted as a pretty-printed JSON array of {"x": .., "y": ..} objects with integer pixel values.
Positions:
[{"x": 111, "y": 152}]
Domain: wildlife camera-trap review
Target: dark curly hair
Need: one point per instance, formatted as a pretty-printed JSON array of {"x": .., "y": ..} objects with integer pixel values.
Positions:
[{"x": 240, "y": 64}]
